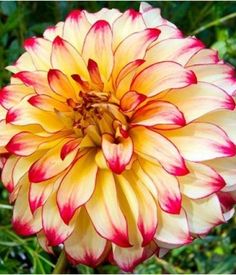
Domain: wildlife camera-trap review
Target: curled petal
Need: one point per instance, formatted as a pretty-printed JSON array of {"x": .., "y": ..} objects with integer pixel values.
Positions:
[{"x": 117, "y": 153}]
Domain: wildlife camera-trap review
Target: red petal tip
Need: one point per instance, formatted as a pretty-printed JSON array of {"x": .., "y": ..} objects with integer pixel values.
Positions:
[
  {"x": 58, "y": 41},
  {"x": 74, "y": 15},
  {"x": 101, "y": 24},
  {"x": 30, "y": 42}
]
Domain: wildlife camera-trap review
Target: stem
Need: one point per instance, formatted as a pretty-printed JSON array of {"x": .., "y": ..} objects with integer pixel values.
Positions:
[
  {"x": 215, "y": 22},
  {"x": 5, "y": 206},
  {"x": 61, "y": 264}
]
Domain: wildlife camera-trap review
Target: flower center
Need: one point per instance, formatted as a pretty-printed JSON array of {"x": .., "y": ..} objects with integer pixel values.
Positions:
[{"x": 95, "y": 108}]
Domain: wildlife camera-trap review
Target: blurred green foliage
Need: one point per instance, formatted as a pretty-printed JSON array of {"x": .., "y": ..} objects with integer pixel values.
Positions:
[{"x": 215, "y": 253}]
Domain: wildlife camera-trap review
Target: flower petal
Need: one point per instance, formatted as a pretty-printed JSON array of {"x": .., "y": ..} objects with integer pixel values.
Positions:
[
  {"x": 197, "y": 100},
  {"x": 53, "y": 31},
  {"x": 75, "y": 28},
  {"x": 168, "y": 195},
  {"x": 201, "y": 221},
  {"x": 162, "y": 76},
  {"x": 167, "y": 234},
  {"x": 156, "y": 113},
  {"x": 126, "y": 53},
  {"x": 117, "y": 153},
  {"x": 221, "y": 75},
  {"x": 129, "y": 22},
  {"x": 55, "y": 229},
  {"x": 201, "y": 182},
  {"x": 85, "y": 245},
  {"x": 60, "y": 84},
  {"x": 12, "y": 94},
  {"x": 179, "y": 50},
  {"x": 67, "y": 59},
  {"x": 201, "y": 141},
  {"x": 39, "y": 50},
  {"x": 98, "y": 47},
  {"x": 156, "y": 148},
  {"x": 131, "y": 100},
  {"x": 24, "y": 114},
  {"x": 141, "y": 204},
  {"x": 50, "y": 164},
  {"x": 226, "y": 167},
  {"x": 104, "y": 210},
  {"x": 23, "y": 222},
  {"x": 77, "y": 186}
]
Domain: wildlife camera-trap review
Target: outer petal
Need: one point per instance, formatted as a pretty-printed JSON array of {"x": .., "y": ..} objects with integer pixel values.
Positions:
[
  {"x": 98, "y": 47},
  {"x": 221, "y": 75},
  {"x": 197, "y": 100},
  {"x": 204, "y": 56},
  {"x": 39, "y": 50},
  {"x": 85, "y": 245},
  {"x": 126, "y": 53},
  {"x": 162, "y": 76},
  {"x": 7, "y": 173},
  {"x": 55, "y": 229},
  {"x": 77, "y": 186},
  {"x": 129, "y": 22},
  {"x": 168, "y": 195},
  {"x": 67, "y": 59},
  {"x": 12, "y": 94},
  {"x": 224, "y": 119},
  {"x": 24, "y": 223},
  {"x": 201, "y": 182},
  {"x": 110, "y": 15},
  {"x": 75, "y": 29},
  {"x": 104, "y": 210},
  {"x": 24, "y": 114},
  {"x": 226, "y": 167},
  {"x": 156, "y": 113},
  {"x": 152, "y": 16},
  {"x": 53, "y": 31},
  {"x": 50, "y": 164},
  {"x": 39, "y": 193},
  {"x": 156, "y": 148},
  {"x": 167, "y": 234},
  {"x": 141, "y": 204},
  {"x": 117, "y": 153},
  {"x": 201, "y": 221},
  {"x": 24, "y": 62},
  {"x": 178, "y": 50},
  {"x": 202, "y": 141}
]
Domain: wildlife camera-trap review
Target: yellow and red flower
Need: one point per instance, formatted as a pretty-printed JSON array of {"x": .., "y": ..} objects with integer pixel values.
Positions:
[{"x": 120, "y": 137}]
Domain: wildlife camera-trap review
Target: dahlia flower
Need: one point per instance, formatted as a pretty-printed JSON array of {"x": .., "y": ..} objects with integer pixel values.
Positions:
[{"x": 120, "y": 137}]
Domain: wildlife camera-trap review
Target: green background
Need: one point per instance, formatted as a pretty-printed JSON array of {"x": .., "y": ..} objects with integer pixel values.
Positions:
[{"x": 20, "y": 20}]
